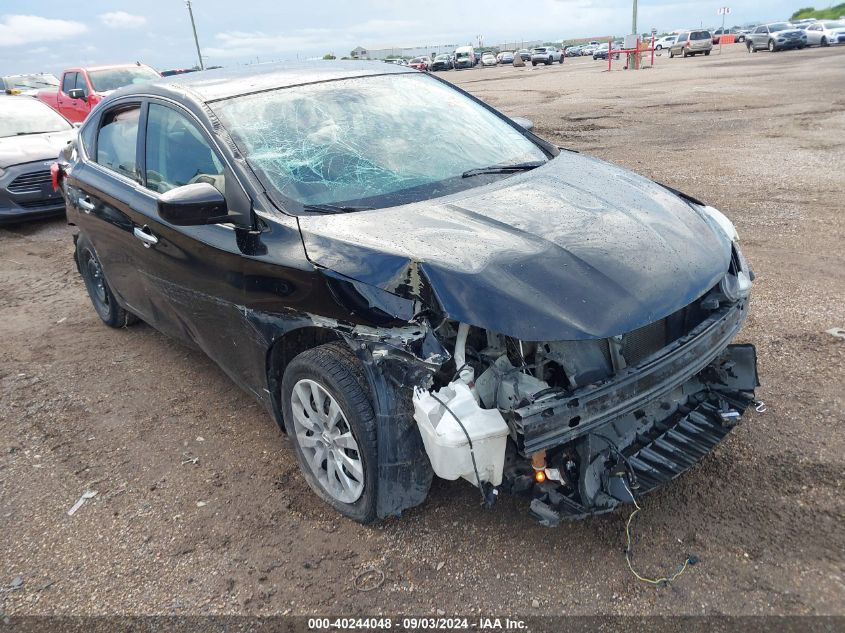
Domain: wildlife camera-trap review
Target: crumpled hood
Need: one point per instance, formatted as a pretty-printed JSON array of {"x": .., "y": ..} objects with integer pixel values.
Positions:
[
  {"x": 15, "y": 150},
  {"x": 573, "y": 250}
]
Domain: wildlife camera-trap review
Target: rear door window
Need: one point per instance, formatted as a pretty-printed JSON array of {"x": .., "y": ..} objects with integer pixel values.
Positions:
[
  {"x": 682, "y": 37},
  {"x": 117, "y": 141},
  {"x": 177, "y": 152}
]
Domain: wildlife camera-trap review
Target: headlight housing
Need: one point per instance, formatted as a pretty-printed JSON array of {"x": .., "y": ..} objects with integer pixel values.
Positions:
[{"x": 737, "y": 282}]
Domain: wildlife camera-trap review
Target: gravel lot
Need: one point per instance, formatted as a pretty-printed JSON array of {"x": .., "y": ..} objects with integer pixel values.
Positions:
[{"x": 200, "y": 508}]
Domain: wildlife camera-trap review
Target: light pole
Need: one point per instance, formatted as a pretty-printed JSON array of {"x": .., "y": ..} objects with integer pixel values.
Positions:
[{"x": 194, "y": 27}]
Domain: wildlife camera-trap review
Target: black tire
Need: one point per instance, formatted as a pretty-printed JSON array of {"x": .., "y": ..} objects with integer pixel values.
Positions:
[
  {"x": 824, "y": 41},
  {"x": 684, "y": 53},
  {"x": 659, "y": 47},
  {"x": 549, "y": 61},
  {"x": 560, "y": 61},
  {"x": 706, "y": 53},
  {"x": 772, "y": 46},
  {"x": 751, "y": 47},
  {"x": 671, "y": 54},
  {"x": 336, "y": 369},
  {"x": 102, "y": 297},
  {"x": 533, "y": 63}
]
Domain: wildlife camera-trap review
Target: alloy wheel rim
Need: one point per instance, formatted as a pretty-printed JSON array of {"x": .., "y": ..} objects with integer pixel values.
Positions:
[{"x": 327, "y": 442}]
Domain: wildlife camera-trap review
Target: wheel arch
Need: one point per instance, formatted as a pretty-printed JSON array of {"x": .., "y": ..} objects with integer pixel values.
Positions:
[{"x": 283, "y": 350}]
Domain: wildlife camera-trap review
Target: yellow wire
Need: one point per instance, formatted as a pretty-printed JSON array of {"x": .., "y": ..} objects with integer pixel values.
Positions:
[{"x": 652, "y": 581}]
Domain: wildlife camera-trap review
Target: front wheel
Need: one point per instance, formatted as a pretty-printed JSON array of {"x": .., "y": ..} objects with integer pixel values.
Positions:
[
  {"x": 533, "y": 63},
  {"x": 328, "y": 415},
  {"x": 102, "y": 297},
  {"x": 823, "y": 42},
  {"x": 751, "y": 47},
  {"x": 772, "y": 46},
  {"x": 658, "y": 47}
]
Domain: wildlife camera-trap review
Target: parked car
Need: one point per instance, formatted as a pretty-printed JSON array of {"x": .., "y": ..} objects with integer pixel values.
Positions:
[
  {"x": 525, "y": 54},
  {"x": 665, "y": 42},
  {"x": 31, "y": 136},
  {"x": 825, "y": 33},
  {"x": 27, "y": 84},
  {"x": 408, "y": 295},
  {"x": 776, "y": 36},
  {"x": 420, "y": 63},
  {"x": 741, "y": 35},
  {"x": 83, "y": 88},
  {"x": 442, "y": 62},
  {"x": 546, "y": 55},
  {"x": 717, "y": 34},
  {"x": 465, "y": 57},
  {"x": 488, "y": 59},
  {"x": 506, "y": 57},
  {"x": 692, "y": 43}
]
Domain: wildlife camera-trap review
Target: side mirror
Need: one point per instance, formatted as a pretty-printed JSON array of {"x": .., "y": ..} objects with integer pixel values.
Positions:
[
  {"x": 524, "y": 123},
  {"x": 191, "y": 205},
  {"x": 77, "y": 93}
]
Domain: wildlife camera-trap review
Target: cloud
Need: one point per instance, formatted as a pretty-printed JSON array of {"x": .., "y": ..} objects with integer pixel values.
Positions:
[
  {"x": 18, "y": 30},
  {"x": 122, "y": 20}
]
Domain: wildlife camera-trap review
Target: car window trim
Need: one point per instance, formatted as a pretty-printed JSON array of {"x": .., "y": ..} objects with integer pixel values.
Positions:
[
  {"x": 141, "y": 98},
  {"x": 120, "y": 104}
]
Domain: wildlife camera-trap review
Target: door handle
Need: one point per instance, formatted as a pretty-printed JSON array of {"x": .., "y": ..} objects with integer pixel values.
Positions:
[
  {"x": 86, "y": 205},
  {"x": 145, "y": 236}
]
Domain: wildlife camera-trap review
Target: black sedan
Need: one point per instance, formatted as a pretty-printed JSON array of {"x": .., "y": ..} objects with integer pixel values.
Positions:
[
  {"x": 31, "y": 135},
  {"x": 414, "y": 285}
]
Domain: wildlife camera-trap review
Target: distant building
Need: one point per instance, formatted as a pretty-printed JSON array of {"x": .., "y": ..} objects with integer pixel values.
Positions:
[{"x": 360, "y": 53}]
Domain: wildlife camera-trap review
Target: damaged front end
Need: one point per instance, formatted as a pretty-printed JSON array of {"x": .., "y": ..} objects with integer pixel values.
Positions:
[{"x": 581, "y": 426}]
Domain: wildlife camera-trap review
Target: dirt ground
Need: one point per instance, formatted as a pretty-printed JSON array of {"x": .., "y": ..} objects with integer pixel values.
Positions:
[{"x": 201, "y": 510}]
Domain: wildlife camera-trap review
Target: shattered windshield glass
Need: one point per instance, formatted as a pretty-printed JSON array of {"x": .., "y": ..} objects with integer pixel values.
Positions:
[{"x": 371, "y": 141}]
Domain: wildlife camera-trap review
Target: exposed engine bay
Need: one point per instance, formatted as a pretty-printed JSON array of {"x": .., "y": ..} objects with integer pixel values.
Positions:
[{"x": 582, "y": 426}]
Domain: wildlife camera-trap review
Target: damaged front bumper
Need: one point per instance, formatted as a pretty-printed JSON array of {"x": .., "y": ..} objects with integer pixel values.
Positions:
[{"x": 547, "y": 423}]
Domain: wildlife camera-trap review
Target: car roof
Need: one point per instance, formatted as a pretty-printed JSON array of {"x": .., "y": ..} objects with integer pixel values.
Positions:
[{"x": 224, "y": 83}]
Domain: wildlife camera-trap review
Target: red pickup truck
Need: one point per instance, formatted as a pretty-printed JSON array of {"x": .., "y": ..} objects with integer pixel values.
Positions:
[{"x": 83, "y": 88}]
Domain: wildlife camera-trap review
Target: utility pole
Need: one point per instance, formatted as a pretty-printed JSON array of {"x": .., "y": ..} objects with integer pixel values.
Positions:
[
  {"x": 633, "y": 19},
  {"x": 632, "y": 58},
  {"x": 194, "y": 27}
]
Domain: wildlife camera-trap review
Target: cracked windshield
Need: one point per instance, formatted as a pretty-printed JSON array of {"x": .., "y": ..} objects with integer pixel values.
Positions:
[{"x": 370, "y": 142}]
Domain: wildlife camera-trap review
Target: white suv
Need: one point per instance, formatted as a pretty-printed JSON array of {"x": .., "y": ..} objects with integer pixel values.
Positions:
[{"x": 546, "y": 55}]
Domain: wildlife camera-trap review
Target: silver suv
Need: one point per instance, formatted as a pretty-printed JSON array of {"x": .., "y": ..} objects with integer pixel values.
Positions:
[
  {"x": 692, "y": 43},
  {"x": 546, "y": 55}
]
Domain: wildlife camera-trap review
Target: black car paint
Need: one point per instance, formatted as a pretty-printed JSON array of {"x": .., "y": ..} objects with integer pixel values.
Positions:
[{"x": 252, "y": 293}]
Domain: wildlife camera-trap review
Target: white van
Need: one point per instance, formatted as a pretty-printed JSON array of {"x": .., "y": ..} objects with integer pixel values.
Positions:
[{"x": 465, "y": 57}]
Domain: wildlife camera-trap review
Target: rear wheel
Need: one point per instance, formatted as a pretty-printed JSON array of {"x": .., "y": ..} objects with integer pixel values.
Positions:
[
  {"x": 671, "y": 54},
  {"x": 328, "y": 415},
  {"x": 533, "y": 63},
  {"x": 102, "y": 298},
  {"x": 706, "y": 53}
]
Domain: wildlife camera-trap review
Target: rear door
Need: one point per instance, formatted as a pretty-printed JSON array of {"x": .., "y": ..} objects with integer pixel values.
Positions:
[{"x": 104, "y": 188}]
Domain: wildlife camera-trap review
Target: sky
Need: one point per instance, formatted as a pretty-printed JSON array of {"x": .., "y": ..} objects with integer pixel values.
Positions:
[{"x": 48, "y": 35}]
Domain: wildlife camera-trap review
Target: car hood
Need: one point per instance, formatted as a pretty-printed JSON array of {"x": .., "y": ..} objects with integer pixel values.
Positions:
[
  {"x": 576, "y": 249},
  {"x": 789, "y": 32},
  {"x": 15, "y": 150}
]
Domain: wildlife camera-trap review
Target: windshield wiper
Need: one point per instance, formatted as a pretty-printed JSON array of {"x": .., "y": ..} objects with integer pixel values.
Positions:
[
  {"x": 502, "y": 169},
  {"x": 333, "y": 208}
]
